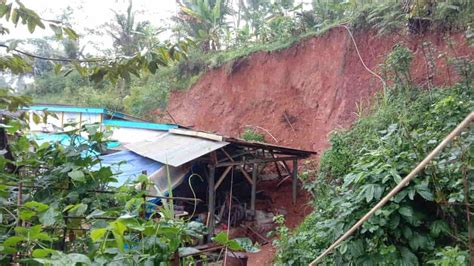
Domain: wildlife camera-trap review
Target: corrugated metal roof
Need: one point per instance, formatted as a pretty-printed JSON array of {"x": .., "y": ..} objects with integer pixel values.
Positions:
[
  {"x": 175, "y": 150},
  {"x": 241, "y": 142}
]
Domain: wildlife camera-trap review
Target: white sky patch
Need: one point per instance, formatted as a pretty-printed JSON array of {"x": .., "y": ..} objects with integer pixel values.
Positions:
[
  {"x": 89, "y": 16},
  {"x": 92, "y": 14}
]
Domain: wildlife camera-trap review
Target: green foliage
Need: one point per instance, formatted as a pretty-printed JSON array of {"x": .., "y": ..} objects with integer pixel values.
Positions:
[
  {"x": 121, "y": 68},
  {"x": 65, "y": 179},
  {"x": 261, "y": 25},
  {"x": 386, "y": 17},
  {"x": 449, "y": 256},
  {"x": 236, "y": 244},
  {"x": 368, "y": 160},
  {"x": 397, "y": 66},
  {"x": 204, "y": 21},
  {"x": 145, "y": 99},
  {"x": 464, "y": 66},
  {"x": 128, "y": 35},
  {"x": 223, "y": 239},
  {"x": 453, "y": 15},
  {"x": 52, "y": 83},
  {"x": 252, "y": 135}
]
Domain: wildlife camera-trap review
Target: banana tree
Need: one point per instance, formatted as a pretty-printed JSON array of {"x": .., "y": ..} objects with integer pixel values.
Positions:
[{"x": 204, "y": 20}]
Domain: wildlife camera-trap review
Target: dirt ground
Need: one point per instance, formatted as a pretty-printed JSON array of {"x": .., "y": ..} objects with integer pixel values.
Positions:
[{"x": 281, "y": 199}]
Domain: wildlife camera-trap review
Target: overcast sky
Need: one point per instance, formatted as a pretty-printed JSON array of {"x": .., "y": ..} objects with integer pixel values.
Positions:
[{"x": 92, "y": 14}]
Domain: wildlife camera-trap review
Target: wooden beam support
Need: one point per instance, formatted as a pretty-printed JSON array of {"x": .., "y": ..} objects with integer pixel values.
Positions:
[
  {"x": 277, "y": 167},
  {"x": 246, "y": 175},
  {"x": 258, "y": 161},
  {"x": 285, "y": 165},
  {"x": 221, "y": 178},
  {"x": 254, "y": 189},
  {"x": 211, "y": 201},
  {"x": 294, "y": 181},
  {"x": 227, "y": 155}
]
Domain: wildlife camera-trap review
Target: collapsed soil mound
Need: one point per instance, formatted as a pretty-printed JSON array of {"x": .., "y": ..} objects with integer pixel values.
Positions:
[{"x": 300, "y": 94}]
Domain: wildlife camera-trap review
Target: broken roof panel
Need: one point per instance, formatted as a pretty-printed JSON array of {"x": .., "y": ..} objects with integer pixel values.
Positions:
[
  {"x": 175, "y": 150},
  {"x": 241, "y": 142}
]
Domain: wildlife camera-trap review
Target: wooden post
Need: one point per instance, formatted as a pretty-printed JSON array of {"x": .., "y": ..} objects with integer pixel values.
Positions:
[
  {"x": 19, "y": 200},
  {"x": 211, "y": 200},
  {"x": 143, "y": 189},
  {"x": 254, "y": 188},
  {"x": 80, "y": 120},
  {"x": 294, "y": 180},
  {"x": 62, "y": 120}
]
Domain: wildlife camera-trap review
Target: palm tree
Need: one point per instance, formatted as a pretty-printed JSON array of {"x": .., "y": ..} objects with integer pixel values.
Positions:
[
  {"x": 129, "y": 38},
  {"x": 128, "y": 35}
]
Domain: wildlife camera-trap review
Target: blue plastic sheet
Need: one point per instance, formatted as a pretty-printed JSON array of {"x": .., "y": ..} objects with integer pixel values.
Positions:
[{"x": 128, "y": 165}]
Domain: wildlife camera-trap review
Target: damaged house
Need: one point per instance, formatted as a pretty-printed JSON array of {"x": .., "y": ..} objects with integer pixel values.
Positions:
[{"x": 210, "y": 175}]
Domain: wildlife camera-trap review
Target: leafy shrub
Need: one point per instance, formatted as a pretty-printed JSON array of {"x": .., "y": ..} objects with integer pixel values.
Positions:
[
  {"x": 144, "y": 99},
  {"x": 386, "y": 17},
  {"x": 367, "y": 161},
  {"x": 252, "y": 135},
  {"x": 452, "y": 15},
  {"x": 65, "y": 220},
  {"x": 397, "y": 65},
  {"x": 450, "y": 256}
]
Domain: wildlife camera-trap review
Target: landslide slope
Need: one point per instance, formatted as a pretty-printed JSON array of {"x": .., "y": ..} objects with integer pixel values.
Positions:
[{"x": 302, "y": 93}]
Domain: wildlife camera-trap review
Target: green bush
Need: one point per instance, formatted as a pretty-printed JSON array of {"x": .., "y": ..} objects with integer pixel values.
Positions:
[
  {"x": 252, "y": 135},
  {"x": 146, "y": 98},
  {"x": 367, "y": 161}
]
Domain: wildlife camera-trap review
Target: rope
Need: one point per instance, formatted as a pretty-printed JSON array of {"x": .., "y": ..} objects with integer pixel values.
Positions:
[
  {"x": 194, "y": 193},
  {"x": 384, "y": 84},
  {"x": 469, "y": 119}
]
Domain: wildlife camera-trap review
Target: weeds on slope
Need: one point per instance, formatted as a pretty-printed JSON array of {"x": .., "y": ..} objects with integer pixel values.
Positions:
[{"x": 426, "y": 219}]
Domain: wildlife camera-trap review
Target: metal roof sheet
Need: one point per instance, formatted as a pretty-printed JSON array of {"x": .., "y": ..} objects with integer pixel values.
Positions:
[
  {"x": 241, "y": 142},
  {"x": 175, "y": 150}
]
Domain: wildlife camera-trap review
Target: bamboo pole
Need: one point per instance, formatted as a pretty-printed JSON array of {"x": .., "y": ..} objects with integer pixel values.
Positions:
[{"x": 469, "y": 119}]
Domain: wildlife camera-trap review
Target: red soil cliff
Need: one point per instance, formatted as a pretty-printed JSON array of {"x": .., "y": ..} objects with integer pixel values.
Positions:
[{"x": 315, "y": 85}]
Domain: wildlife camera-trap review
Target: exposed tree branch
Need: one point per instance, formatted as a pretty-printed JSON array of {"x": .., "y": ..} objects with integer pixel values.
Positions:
[{"x": 96, "y": 60}]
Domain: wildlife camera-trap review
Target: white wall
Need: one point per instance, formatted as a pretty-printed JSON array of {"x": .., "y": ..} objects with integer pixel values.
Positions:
[
  {"x": 61, "y": 119},
  {"x": 124, "y": 135}
]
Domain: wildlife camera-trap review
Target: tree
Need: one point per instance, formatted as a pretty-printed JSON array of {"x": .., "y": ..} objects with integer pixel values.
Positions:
[
  {"x": 203, "y": 21},
  {"x": 17, "y": 61},
  {"x": 128, "y": 34},
  {"x": 58, "y": 181}
]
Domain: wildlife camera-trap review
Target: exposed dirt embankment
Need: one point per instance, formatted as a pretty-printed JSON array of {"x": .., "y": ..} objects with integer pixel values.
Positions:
[{"x": 303, "y": 93}]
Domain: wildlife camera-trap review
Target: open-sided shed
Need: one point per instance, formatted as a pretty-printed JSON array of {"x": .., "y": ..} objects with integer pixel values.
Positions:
[{"x": 182, "y": 146}]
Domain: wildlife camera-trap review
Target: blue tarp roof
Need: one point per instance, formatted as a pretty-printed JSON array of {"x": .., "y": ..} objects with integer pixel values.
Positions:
[
  {"x": 126, "y": 164},
  {"x": 132, "y": 167}
]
